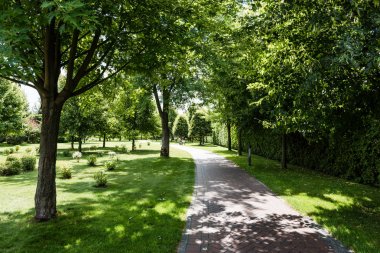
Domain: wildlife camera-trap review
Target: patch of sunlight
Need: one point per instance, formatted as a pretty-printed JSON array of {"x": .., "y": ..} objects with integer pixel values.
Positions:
[
  {"x": 119, "y": 230},
  {"x": 142, "y": 201},
  {"x": 136, "y": 235},
  {"x": 78, "y": 242},
  {"x": 165, "y": 207},
  {"x": 341, "y": 199}
]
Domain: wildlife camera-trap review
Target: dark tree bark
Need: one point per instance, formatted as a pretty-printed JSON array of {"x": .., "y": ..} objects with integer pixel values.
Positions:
[
  {"x": 240, "y": 144},
  {"x": 164, "y": 115},
  {"x": 45, "y": 197},
  {"x": 133, "y": 144},
  {"x": 104, "y": 140},
  {"x": 229, "y": 142},
  {"x": 80, "y": 144},
  {"x": 284, "y": 157}
]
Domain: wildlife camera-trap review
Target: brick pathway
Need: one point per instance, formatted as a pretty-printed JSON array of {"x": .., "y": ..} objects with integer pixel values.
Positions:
[{"x": 233, "y": 212}]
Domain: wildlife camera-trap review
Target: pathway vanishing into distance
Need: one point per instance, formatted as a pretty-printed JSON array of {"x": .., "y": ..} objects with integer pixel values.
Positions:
[{"x": 233, "y": 212}]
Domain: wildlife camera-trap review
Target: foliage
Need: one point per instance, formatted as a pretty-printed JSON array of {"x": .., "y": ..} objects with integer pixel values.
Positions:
[
  {"x": 100, "y": 178},
  {"x": 66, "y": 153},
  {"x": 15, "y": 139},
  {"x": 77, "y": 155},
  {"x": 181, "y": 127},
  {"x": 111, "y": 165},
  {"x": 11, "y": 167},
  {"x": 200, "y": 127},
  {"x": 13, "y": 108},
  {"x": 65, "y": 172},
  {"x": 28, "y": 162},
  {"x": 91, "y": 160}
]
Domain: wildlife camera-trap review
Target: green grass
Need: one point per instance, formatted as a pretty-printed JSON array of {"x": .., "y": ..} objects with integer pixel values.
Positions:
[
  {"x": 142, "y": 210},
  {"x": 350, "y": 211}
]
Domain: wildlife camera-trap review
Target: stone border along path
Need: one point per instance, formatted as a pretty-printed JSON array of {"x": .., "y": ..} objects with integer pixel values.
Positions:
[{"x": 232, "y": 212}]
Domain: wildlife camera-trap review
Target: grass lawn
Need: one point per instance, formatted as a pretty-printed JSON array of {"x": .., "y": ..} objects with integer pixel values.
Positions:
[
  {"x": 142, "y": 210},
  {"x": 350, "y": 211}
]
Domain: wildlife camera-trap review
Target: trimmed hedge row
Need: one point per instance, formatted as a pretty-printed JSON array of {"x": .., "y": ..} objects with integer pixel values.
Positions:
[{"x": 354, "y": 156}]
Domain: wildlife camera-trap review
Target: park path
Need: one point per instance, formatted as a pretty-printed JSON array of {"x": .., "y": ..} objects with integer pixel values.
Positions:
[{"x": 233, "y": 212}]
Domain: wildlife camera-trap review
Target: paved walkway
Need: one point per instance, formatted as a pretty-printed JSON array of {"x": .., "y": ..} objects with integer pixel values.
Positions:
[{"x": 233, "y": 212}]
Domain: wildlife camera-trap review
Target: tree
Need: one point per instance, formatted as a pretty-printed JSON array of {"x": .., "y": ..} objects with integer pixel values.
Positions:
[
  {"x": 92, "y": 41},
  {"x": 13, "y": 109},
  {"x": 200, "y": 127},
  {"x": 181, "y": 127}
]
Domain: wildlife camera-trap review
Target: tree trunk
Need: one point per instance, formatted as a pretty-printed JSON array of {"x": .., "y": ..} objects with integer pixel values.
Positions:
[
  {"x": 229, "y": 142},
  {"x": 164, "y": 115},
  {"x": 240, "y": 144},
  {"x": 133, "y": 144},
  {"x": 104, "y": 140},
  {"x": 80, "y": 144},
  {"x": 284, "y": 162},
  {"x": 45, "y": 198}
]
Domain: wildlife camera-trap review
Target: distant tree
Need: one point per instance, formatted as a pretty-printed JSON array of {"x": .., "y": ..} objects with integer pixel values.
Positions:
[
  {"x": 181, "y": 127},
  {"x": 200, "y": 127},
  {"x": 13, "y": 108}
]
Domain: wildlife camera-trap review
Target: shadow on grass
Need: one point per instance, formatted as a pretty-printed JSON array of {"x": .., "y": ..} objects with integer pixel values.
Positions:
[{"x": 140, "y": 211}]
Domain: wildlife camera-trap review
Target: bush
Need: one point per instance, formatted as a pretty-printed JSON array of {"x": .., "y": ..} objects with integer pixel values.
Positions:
[
  {"x": 100, "y": 179},
  {"x": 11, "y": 151},
  {"x": 28, "y": 163},
  {"x": 148, "y": 143},
  {"x": 11, "y": 167},
  {"x": 65, "y": 172},
  {"x": 91, "y": 160},
  {"x": 93, "y": 147},
  {"x": 28, "y": 150},
  {"x": 6, "y": 151},
  {"x": 124, "y": 149},
  {"x": 110, "y": 165},
  {"x": 14, "y": 139},
  {"x": 66, "y": 153},
  {"x": 77, "y": 155},
  {"x": 117, "y": 148},
  {"x": 17, "y": 148},
  {"x": 37, "y": 149}
]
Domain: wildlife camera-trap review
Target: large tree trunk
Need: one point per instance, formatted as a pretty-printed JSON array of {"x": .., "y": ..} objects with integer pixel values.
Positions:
[
  {"x": 284, "y": 158},
  {"x": 45, "y": 198},
  {"x": 164, "y": 115},
  {"x": 104, "y": 140},
  {"x": 240, "y": 144},
  {"x": 229, "y": 142}
]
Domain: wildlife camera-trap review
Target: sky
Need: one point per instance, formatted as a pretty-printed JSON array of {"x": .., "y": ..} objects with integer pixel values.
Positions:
[{"x": 31, "y": 95}]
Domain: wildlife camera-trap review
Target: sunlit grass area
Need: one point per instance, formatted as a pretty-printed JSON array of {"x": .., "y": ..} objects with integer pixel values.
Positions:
[
  {"x": 350, "y": 211},
  {"x": 141, "y": 210}
]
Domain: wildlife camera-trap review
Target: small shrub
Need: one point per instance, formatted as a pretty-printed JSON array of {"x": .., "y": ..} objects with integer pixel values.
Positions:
[
  {"x": 37, "y": 149},
  {"x": 28, "y": 163},
  {"x": 11, "y": 151},
  {"x": 110, "y": 165},
  {"x": 93, "y": 147},
  {"x": 28, "y": 150},
  {"x": 77, "y": 155},
  {"x": 66, "y": 153},
  {"x": 91, "y": 160},
  {"x": 100, "y": 179},
  {"x": 124, "y": 149},
  {"x": 14, "y": 139},
  {"x": 17, "y": 148},
  {"x": 6, "y": 152},
  {"x": 117, "y": 148},
  {"x": 65, "y": 172},
  {"x": 112, "y": 154},
  {"x": 11, "y": 167},
  {"x": 148, "y": 143}
]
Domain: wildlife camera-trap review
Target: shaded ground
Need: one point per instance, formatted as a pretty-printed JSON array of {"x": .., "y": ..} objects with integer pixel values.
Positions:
[{"x": 233, "y": 212}]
